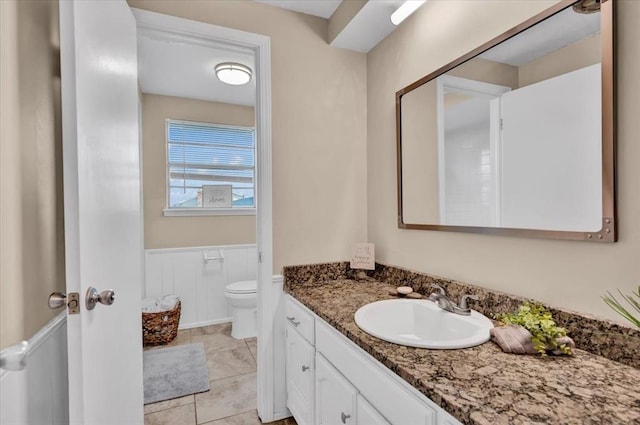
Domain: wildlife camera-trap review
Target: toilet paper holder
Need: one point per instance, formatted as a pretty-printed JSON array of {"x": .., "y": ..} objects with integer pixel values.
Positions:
[{"x": 219, "y": 257}]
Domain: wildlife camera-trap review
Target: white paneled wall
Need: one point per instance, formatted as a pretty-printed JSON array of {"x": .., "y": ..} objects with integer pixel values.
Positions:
[
  {"x": 39, "y": 394},
  {"x": 199, "y": 283}
]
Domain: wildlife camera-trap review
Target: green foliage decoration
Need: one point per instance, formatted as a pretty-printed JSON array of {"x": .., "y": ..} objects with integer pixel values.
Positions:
[
  {"x": 539, "y": 322},
  {"x": 621, "y": 309}
]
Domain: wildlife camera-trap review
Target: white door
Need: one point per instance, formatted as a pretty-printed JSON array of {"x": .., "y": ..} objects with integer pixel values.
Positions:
[
  {"x": 102, "y": 209},
  {"x": 551, "y": 177}
]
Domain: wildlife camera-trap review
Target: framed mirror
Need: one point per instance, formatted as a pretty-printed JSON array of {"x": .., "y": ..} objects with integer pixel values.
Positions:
[{"x": 517, "y": 136}]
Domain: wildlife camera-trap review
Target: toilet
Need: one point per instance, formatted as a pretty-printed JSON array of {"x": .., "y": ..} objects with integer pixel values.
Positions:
[{"x": 242, "y": 297}]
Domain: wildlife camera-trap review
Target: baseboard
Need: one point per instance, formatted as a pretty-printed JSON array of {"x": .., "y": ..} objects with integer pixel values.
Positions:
[
  {"x": 279, "y": 415},
  {"x": 205, "y": 323}
]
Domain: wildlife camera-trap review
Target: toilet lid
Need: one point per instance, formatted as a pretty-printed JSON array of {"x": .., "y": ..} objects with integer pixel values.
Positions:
[{"x": 242, "y": 287}]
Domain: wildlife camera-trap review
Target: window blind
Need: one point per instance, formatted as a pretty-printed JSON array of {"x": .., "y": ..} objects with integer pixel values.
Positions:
[{"x": 209, "y": 154}]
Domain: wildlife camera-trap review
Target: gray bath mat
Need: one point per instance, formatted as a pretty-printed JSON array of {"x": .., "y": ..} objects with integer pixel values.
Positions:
[{"x": 174, "y": 372}]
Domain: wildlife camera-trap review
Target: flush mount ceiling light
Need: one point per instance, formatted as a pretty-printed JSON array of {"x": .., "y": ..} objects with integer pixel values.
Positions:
[
  {"x": 587, "y": 6},
  {"x": 233, "y": 73},
  {"x": 406, "y": 9}
]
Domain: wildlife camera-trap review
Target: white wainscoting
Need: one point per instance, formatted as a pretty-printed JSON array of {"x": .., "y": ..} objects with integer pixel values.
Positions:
[
  {"x": 199, "y": 284},
  {"x": 39, "y": 394}
]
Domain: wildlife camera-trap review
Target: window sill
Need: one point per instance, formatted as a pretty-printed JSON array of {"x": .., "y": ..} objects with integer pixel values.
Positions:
[{"x": 196, "y": 212}]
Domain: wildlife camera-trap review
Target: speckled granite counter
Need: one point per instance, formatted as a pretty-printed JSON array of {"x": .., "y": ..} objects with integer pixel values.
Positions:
[{"x": 483, "y": 385}]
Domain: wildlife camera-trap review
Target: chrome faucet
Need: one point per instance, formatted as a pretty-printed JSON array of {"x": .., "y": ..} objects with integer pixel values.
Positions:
[{"x": 445, "y": 303}]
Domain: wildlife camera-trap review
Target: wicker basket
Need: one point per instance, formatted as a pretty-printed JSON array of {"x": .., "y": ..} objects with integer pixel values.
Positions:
[{"x": 162, "y": 327}]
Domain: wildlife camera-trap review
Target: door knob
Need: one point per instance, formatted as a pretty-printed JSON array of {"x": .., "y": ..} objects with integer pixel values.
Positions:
[{"x": 93, "y": 297}]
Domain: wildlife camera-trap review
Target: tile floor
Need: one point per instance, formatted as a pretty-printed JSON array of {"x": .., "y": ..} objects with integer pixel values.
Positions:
[{"x": 232, "y": 372}]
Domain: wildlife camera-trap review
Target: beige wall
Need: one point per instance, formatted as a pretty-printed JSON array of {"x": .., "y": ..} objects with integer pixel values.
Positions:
[
  {"x": 568, "y": 274},
  {"x": 319, "y": 127},
  {"x": 31, "y": 220},
  {"x": 480, "y": 69},
  {"x": 322, "y": 98},
  {"x": 174, "y": 232},
  {"x": 420, "y": 155},
  {"x": 420, "y": 201}
]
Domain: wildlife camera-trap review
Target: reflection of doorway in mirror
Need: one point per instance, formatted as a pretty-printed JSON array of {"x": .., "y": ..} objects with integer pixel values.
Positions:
[
  {"x": 520, "y": 158},
  {"x": 468, "y": 151}
]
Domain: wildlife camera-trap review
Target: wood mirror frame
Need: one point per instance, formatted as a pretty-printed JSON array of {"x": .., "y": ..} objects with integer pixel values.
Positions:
[{"x": 608, "y": 231}]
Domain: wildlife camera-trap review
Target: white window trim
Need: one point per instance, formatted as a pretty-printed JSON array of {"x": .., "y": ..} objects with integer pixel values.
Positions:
[
  {"x": 200, "y": 211},
  {"x": 194, "y": 212}
]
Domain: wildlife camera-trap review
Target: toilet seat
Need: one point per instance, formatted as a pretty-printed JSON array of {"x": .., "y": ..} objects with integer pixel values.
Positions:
[{"x": 242, "y": 287}]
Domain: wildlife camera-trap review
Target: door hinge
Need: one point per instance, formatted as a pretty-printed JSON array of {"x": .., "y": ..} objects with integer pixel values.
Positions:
[
  {"x": 501, "y": 124},
  {"x": 259, "y": 257},
  {"x": 73, "y": 302}
]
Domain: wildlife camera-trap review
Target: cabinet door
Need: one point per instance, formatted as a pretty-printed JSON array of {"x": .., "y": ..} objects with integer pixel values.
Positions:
[
  {"x": 335, "y": 396},
  {"x": 300, "y": 372},
  {"x": 368, "y": 415}
]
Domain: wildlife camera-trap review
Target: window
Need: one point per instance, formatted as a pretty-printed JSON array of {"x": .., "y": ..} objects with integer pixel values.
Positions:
[{"x": 202, "y": 154}]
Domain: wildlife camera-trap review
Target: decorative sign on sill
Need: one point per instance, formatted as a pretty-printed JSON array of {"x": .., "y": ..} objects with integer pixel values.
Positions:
[
  {"x": 216, "y": 196},
  {"x": 363, "y": 256}
]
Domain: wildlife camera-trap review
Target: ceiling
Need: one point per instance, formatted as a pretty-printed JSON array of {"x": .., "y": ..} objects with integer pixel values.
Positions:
[
  {"x": 170, "y": 65},
  {"x": 365, "y": 30},
  {"x": 369, "y": 27},
  {"x": 176, "y": 66},
  {"x": 321, "y": 8},
  {"x": 560, "y": 30}
]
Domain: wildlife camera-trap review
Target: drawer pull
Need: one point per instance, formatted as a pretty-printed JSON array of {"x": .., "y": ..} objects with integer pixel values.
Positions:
[
  {"x": 293, "y": 321},
  {"x": 344, "y": 417},
  {"x": 305, "y": 368}
]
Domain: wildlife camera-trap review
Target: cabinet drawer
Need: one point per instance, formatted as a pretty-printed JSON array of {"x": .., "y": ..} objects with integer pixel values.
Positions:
[
  {"x": 300, "y": 318},
  {"x": 396, "y": 400}
]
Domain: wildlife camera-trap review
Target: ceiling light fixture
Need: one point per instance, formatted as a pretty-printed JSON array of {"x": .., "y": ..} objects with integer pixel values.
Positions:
[
  {"x": 233, "y": 73},
  {"x": 405, "y": 10}
]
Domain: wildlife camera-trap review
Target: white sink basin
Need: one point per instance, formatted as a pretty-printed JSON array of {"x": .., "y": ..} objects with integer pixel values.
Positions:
[{"x": 421, "y": 323}]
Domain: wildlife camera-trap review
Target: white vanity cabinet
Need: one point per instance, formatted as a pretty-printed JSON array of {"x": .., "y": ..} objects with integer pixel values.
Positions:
[
  {"x": 345, "y": 385},
  {"x": 300, "y": 365},
  {"x": 300, "y": 372},
  {"x": 335, "y": 396},
  {"x": 367, "y": 414},
  {"x": 338, "y": 402}
]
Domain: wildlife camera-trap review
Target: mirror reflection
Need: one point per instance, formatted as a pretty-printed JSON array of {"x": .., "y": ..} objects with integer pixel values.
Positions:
[{"x": 513, "y": 137}]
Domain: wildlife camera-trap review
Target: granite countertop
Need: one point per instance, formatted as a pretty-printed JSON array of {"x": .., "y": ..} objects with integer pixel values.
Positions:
[{"x": 483, "y": 385}]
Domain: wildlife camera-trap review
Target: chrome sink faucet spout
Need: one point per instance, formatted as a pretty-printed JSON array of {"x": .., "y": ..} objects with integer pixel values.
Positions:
[{"x": 445, "y": 303}]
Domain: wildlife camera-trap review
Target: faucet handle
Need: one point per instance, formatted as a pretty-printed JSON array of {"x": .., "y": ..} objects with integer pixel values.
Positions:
[
  {"x": 438, "y": 288},
  {"x": 464, "y": 301}
]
